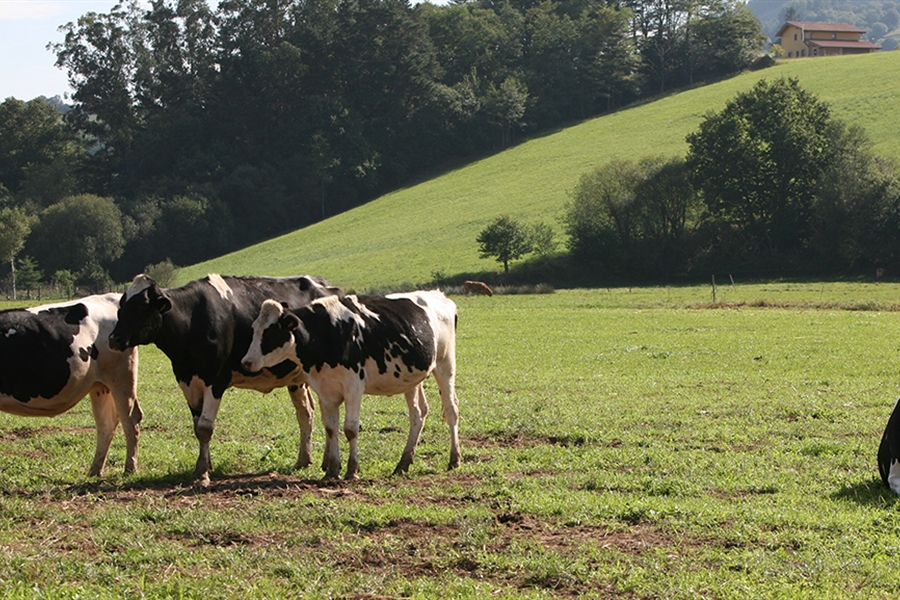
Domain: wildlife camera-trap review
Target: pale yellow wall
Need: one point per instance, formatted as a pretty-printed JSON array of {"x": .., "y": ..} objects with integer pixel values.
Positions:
[{"x": 794, "y": 48}]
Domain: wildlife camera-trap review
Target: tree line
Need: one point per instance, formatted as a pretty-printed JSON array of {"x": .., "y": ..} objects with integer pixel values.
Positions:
[{"x": 196, "y": 130}]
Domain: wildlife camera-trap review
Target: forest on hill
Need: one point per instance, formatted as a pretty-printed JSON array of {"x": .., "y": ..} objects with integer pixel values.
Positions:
[{"x": 197, "y": 130}]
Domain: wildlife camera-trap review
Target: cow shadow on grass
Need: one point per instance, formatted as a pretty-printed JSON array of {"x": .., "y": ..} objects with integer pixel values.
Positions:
[
  {"x": 870, "y": 492},
  {"x": 179, "y": 485}
]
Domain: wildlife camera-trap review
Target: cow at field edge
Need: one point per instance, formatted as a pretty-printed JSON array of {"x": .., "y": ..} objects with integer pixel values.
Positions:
[
  {"x": 477, "y": 288},
  {"x": 889, "y": 451},
  {"x": 54, "y": 355},
  {"x": 204, "y": 328},
  {"x": 347, "y": 346}
]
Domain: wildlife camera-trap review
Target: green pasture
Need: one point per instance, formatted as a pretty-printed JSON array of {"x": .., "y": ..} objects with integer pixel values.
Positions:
[
  {"x": 430, "y": 228},
  {"x": 620, "y": 443}
]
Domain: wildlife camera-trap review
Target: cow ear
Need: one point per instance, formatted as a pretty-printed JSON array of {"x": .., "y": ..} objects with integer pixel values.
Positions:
[
  {"x": 289, "y": 321},
  {"x": 163, "y": 304}
]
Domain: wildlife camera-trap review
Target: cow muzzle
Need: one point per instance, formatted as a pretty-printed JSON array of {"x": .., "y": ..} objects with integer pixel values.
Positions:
[
  {"x": 117, "y": 343},
  {"x": 251, "y": 365}
]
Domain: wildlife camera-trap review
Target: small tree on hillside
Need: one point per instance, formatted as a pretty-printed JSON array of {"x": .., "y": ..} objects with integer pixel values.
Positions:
[{"x": 505, "y": 239}]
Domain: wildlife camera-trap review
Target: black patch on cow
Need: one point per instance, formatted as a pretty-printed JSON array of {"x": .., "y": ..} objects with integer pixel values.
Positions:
[
  {"x": 402, "y": 332},
  {"x": 76, "y": 313},
  {"x": 274, "y": 337},
  {"x": 283, "y": 369},
  {"x": 35, "y": 350}
]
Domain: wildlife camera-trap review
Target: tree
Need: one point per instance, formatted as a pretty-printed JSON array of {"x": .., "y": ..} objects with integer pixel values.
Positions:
[
  {"x": 505, "y": 239},
  {"x": 758, "y": 161},
  {"x": 15, "y": 225},
  {"x": 77, "y": 231},
  {"x": 39, "y": 153},
  {"x": 29, "y": 275},
  {"x": 601, "y": 219}
]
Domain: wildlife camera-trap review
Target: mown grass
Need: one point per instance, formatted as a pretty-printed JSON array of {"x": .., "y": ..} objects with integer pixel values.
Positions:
[
  {"x": 430, "y": 228},
  {"x": 616, "y": 443}
]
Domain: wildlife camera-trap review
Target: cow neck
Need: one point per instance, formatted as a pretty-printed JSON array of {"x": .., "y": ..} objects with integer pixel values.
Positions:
[{"x": 174, "y": 330}]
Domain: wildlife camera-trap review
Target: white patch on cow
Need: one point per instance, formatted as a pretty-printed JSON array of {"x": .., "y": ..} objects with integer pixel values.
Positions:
[
  {"x": 217, "y": 282},
  {"x": 269, "y": 313},
  {"x": 10, "y": 332},
  {"x": 139, "y": 284},
  {"x": 894, "y": 476},
  {"x": 338, "y": 312},
  {"x": 363, "y": 308}
]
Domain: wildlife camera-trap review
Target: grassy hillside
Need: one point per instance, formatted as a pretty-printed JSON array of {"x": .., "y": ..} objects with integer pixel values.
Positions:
[{"x": 409, "y": 235}]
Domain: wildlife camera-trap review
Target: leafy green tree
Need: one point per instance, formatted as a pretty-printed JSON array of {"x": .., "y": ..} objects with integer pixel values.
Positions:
[
  {"x": 64, "y": 281},
  {"x": 758, "y": 161},
  {"x": 506, "y": 106},
  {"x": 602, "y": 218},
  {"x": 76, "y": 231},
  {"x": 28, "y": 274},
  {"x": 505, "y": 239},
  {"x": 542, "y": 239},
  {"x": 633, "y": 215},
  {"x": 39, "y": 154},
  {"x": 856, "y": 218},
  {"x": 725, "y": 38},
  {"x": 15, "y": 225}
]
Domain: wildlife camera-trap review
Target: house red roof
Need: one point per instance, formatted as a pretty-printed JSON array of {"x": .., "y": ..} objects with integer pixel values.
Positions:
[{"x": 829, "y": 27}]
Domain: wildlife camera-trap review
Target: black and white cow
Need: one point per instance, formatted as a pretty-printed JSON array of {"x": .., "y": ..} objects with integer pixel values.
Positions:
[
  {"x": 889, "y": 451},
  {"x": 54, "y": 355},
  {"x": 205, "y": 327},
  {"x": 348, "y": 346}
]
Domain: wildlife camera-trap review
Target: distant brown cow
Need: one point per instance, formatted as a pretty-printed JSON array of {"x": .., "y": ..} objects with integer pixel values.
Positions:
[{"x": 477, "y": 287}]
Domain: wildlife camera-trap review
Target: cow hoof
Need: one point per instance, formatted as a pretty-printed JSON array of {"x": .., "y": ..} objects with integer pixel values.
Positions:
[
  {"x": 351, "y": 477},
  {"x": 402, "y": 466}
]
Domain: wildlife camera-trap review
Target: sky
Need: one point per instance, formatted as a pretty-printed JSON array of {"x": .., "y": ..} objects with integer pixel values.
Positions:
[{"x": 26, "y": 27}]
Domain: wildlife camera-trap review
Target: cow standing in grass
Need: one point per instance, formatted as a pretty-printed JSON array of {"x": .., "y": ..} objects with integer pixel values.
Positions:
[
  {"x": 52, "y": 356},
  {"x": 349, "y": 346},
  {"x": 204, "y": 328}
]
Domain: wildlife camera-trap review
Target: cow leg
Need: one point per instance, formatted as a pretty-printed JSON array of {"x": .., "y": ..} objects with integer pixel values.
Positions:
[
  {"x": 106, "y": 420},
  {"x": 203, "y": 429},
  {"x": 445, "y": 374},
  {"x": 303, "y": 405},
  {"x": 124, "y": 394},
  {"x": 331, "y": 461},
  {"x": 418, "y": 410},
  {"x": 351, "y": 430}
]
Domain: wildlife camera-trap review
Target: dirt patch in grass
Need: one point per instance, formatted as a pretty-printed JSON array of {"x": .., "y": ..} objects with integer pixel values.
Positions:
[{"x": 509, "y": 555}]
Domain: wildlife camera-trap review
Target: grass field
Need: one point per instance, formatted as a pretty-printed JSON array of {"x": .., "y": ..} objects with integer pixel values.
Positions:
[
  {"x": 428, "y": 228},
  {"x": 632, "y": 443}
]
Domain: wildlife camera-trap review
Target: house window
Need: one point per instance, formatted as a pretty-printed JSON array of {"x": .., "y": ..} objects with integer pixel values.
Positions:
[
  {"x": 834, "y": 36},
  {"x": 815, "y": 51},
  {"x": 803, "y": 53},
  {"x": 790, "y": 55},
  {"x": 795, "y": 37}
]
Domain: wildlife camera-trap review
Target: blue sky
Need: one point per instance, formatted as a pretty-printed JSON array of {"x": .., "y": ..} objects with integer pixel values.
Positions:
[{"x": 26, "y": 27}]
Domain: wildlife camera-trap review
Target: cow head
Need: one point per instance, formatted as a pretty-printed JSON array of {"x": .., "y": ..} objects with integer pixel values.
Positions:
[
  {"x": 140, "y": 314},
  {"x": 273, "y": 340}
]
